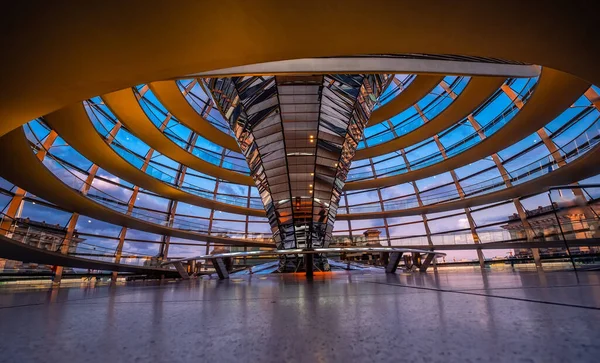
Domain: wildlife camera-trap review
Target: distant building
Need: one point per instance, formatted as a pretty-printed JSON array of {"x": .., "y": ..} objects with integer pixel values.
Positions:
[
  {"x": 40, "y": 235},
  {"x": 573, "y": 221},
  {"x": 369, "y": 238}
]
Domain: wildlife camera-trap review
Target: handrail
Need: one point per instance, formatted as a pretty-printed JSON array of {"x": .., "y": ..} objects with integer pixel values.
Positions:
[
  {"x": 578, "y": 146},
  {"x": 298, "y": 251},
  {"x": 16, "y": 222},
  {"x": 501, "y": 235},
  {"x": 585, "y": 140},
  {"x": 205, "y": 154},
  {"x": 114, "y": 203},
  {"x": 15, "y": 250},
  {"x": 137, "y": 161},
  {"x": 415, "y": 121}
]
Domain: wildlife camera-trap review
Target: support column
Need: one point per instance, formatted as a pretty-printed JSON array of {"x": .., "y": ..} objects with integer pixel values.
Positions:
[
  {"x": 221, "y": 268},
  {"x": 309, "y": 264},
  {"x": 212, "y": 211},
  {"x": 166, "y": 240},
  {"x": 184, "y": 274},
  {"x": 350, "y": 234},
  {"x": 64, "y": 248},
  {"x": 419, "y": 200},
  {"x": 119, "y": 251},
  {"x": 248, "y": 195},
  {"x": 66, "y": 244},
  {"x": 536, "y": 257},
  {"x": 461, "y": 194},
  {"x": 392, "y": 266},
  {"x": 381, "y": 205},
  {"x": 430, "y": 257},
  {"x": 530, "y": 235},
  {"x": 85, "y": 188}
]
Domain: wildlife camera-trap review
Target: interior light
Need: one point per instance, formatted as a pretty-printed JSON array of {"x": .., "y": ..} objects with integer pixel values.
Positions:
[
  {"x": 310, "y": 185},
  {"x": 311, "y": 174}
]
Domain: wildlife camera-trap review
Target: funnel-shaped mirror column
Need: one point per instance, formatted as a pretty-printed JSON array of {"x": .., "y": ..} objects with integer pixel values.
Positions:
[{"x": 299, "y": 135}]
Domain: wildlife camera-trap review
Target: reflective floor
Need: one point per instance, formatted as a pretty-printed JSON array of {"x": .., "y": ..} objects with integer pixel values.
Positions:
[{"x": 466, "y": 316}]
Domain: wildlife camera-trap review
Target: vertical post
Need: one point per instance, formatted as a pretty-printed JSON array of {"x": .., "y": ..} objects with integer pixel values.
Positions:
[
  {"x": 430, "y": 257},
  {"x": 536, "y": 257},
  {"x": 248, "y": 196},
  {"x": 64, "y": 248},
  {"x": 418, "y": 196},
  {"x": 381, "y": 205},
  {"x": 481, "y": 258},
  {"x": 530, "y": 234},
  {"x": 308, "y": 264},
  {"x": 73, "y": 223},
  {"x": 561, "y": 231},
  {"x": 392, "y": 266},
  {"x": 183, "y": 272},
  {"x": 119, "y": 251},
  {"x": 350, "y": 234},
  {"x": 221, "y": 268},
  {"x": 212, "y": 211}
]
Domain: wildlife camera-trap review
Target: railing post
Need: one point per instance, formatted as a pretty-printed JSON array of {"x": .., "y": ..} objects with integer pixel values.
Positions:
[
  {"x": 395, "y": 258},
  {"x": 561, "y": 230}
]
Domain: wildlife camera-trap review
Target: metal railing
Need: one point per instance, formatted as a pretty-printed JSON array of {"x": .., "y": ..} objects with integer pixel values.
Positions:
[
  {"x": 54, "y": 238},
  {"x": 431, "y": 110},
  {"x": 79, "y": 183},
  {"x": 458, "y": 147},
  {"x": 569, "y": 152}
]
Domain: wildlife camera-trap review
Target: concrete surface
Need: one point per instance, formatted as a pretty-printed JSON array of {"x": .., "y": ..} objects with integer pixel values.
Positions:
[{"x": 468, "y": 316}]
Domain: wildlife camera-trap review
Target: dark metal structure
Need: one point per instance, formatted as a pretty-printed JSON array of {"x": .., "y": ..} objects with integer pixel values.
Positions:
[{"x": 299, "y": 135}]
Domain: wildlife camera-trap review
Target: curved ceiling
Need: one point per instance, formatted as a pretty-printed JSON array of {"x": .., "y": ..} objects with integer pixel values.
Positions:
[
  {"x": 128, "y": 110},
  {"x": 386, "y": 63},
  {"x": 84, "y": 56}
]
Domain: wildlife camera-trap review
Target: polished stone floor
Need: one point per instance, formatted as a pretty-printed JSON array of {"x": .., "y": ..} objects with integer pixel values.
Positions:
[{"x": 467, "y": 316}]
